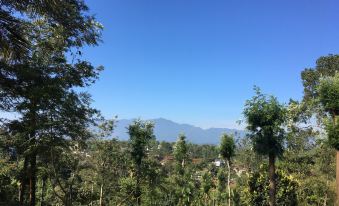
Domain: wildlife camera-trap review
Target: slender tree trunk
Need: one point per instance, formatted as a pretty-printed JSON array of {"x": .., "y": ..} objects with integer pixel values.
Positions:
[
  {"x": 70, "y": 194},
  {"x": 271, "y": 172},
  {"x": 337, "y": 176},
  {"x": 32, "y": 156},
  {"x": 101, "y": 193},
  {"x": 228, "y": 182},
  {"x": 23, "y": 183},
  {"x": 334, "y": 116},
  {"x": 92, "y": 195},
  {"x": 138, "y": 192},
  {"x": 325, "y": 198},
  {"x": 43, "y": 187},
  {"x": 137, "y": 189},
  {"x": 32, "y": 180}
]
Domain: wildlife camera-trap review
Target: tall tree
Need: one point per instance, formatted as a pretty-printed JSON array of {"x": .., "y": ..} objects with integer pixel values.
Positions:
[
  {"x": 265, "y": 117},
  {"x": 321, "y": 97},
  {"x": 140, "y": 135},
  {"x": 40, "y": 87},
  {"x": 329, "y": 98},
  {"x": 227, "y": 151}
]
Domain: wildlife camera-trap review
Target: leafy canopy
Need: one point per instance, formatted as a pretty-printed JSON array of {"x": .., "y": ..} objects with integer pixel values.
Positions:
[
  {"x": 329, "y": 99},
  {"x": 328, "y": 90},
  {"x": 325, "y": 66},
  {"x": 180, "y": 149},
  {"x": 265, "y": 117},
  {"x": 227, "y": 147},
  {"x": 67, "y": 17},
  {"x": 140, "y": 134}
]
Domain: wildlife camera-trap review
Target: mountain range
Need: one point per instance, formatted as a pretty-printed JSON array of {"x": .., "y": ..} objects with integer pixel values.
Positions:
[{"x": 167, "y": 130}]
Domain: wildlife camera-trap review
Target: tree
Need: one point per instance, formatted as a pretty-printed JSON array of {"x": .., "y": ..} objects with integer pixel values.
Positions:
[
  {"x": 17, "y": 19},
  {"x": 106, "y": 157},
  {"x": 183, "y": 174},
  {"x": 109, "y": 162},
  {"x": 321, "y": 97},
  {"x": 227, "y": 151},
  {"x": 306, "y": 159},
  {"x": 206, "y": 186},
  {"x": 140, "y": 135},
  {"x": 265, "y": 117},
  {"x": 181, "y": 153},
  {"x": 325, "y": 66},
  {"x": 41, "y": 89},
  {"x": 329, "y": 98}
]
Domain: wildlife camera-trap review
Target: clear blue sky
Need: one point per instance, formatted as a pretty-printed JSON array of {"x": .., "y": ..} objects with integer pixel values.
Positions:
[{"x": 196, "y": 61}]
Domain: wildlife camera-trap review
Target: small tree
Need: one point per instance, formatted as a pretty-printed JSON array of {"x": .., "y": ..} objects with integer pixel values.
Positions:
[
  {"x": 227, "y": 150},
  {"x": 206, "y": 186},
  {"x": 180, "y": 153},
  {"x": 140, "y": 135},
  {"x": 265, "y": 116},
  {"x": 183, "y": 175}
]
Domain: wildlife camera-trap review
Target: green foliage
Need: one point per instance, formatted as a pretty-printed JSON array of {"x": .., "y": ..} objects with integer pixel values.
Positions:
[
  {"x": 51, "y": 146},
  {"x": 321, "y": 86},
  {"x": 328, "y": 90},
  {"x": 186, "y": 189},
  {"x": 246, "y": 158},
  {"x": 221, "y": 185},
  {"x": 141, "y": 133},
  {"x": 227, "y": 147},
  {"x": 258, "y": 186},
  {"x": 41, "y": 73},
  {"x": 206, "y": 183},
  {"x": 180, "y": 153},
  {"x": 69, "y": 18},
  {"x": 265, "y": 117},
  {"x": 333, "y": 134},
  {"x": 325, "y": 66},
  {"x": 316, "y": 191},
  {"x": 8, "y": 183}
]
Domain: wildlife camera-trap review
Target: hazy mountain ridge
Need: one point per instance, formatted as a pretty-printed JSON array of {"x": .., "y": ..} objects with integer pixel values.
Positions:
[{"x": 167, "y": 130}]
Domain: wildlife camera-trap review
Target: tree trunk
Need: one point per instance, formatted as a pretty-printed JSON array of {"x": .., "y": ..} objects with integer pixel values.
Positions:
[
  {"x": 334, "y": 116},
  {"x": 70, "y": 194},
  {"x": 271, "y": 172},
  {"x": 337, "y": 176},
  {"x": 92, "y": 194},
  {"x": 138, "y": 192},
  {"x": 43, "y": 191},
  {"x": 228, "y": 182},
  {"x": 101, "y": 193},
  {"x": 32, "y": 180},
  {"x": 138, "y": 189},
  {"x": 23, "y": 182}
]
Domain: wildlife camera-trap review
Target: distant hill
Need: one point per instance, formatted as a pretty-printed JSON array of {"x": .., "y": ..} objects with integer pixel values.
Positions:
[{"x": 167, "y": 130}]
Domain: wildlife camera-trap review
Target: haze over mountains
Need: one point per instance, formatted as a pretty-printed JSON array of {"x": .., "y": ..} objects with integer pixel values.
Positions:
[{"x": 167, "y": 130}]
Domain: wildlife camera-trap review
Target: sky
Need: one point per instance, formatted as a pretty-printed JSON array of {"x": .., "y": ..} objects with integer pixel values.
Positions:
[{"x": 196, "y": 61}]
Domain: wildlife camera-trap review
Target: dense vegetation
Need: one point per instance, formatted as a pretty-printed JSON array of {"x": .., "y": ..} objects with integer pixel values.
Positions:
[{"x": 55, "y": 149}]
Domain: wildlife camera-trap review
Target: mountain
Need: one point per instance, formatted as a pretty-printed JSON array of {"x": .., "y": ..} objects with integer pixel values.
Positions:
[{"x": 167, "y": 130}]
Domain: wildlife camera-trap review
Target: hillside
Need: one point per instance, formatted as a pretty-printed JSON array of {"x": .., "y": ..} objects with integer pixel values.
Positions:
[{"x": 167, "y": 130}]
